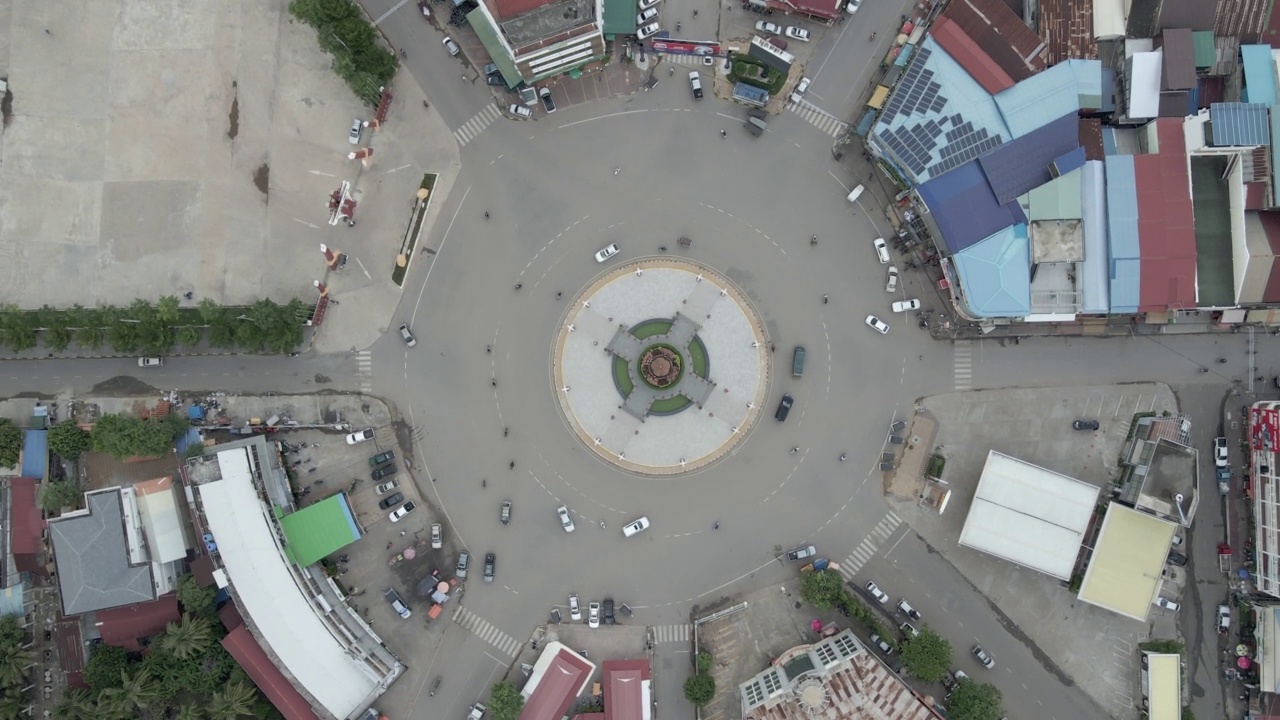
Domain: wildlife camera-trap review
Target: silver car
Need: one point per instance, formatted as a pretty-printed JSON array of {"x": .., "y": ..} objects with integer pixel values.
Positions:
[
  {"x": 566, "y": 520},
  {"x": 593, "y": 615},
  {"x": 575, "y": 608}
]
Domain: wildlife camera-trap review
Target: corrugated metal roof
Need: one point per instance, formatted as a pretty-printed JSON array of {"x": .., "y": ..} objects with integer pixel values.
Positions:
[
  {"x": 1259, "y": 74},
  {"x": 965, "y": 209},
  {"x": 1067, "y": 27},
  {"x": 1130, "y": 550},
  {"x": 1193, "y": 14},
  {"x": 1058, "y": 199},
  {"x": 291, "y": 704},
  {"x": 563, "y": 675},
  {"x": 627, "y": 689},
  {"x": 123, "y": 626},
  {"x": 1202, "y": 47},
  {"x": 1166, "y": 227},
  {"x": 1091, "y": 138},
  {"x": 1001, "y": 34},
  {"x": 26, "y": 526},
  {"x": 1020, "y": 165},
  {"x": 1095, "y": 295},
  {"x": 1122, "y": 230},
  {"x": 1064, "y": 88},
  {"x": 1240, "y": 124},
  {"x": 966, "y": 52},
  {"x": 1179, "y": 70},
  {"x": 35, "y": 453},
  {"x": 1144, "y": 85},
  {"x": 996, "y": 274}
]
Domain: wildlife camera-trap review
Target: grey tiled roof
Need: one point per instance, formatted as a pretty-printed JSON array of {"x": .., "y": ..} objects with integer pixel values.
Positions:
[{"x": 93, "y": 559}]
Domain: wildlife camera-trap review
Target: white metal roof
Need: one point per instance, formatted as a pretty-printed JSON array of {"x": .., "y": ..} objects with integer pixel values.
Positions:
[
  {"x": 1028, "y": 515},
  {"x": 268, "y": 595},
  {"x": 1144, "y": 84},
  {"x": 162, "y": 520}
]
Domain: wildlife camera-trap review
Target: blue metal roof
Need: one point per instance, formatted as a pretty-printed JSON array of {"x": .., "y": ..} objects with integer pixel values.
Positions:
[
  {"x": 1095, "y": 280},
  {"x": 1236, "y": 124},
  {"x": 1122, "y": 231},
  {"x": 996, "y": 274},
  {"x": 1043, "y": 97},
  {"x": 965, "y": 209},
  {"x": 1259, "y": 74},
  {"x": 35, "y": 453},
  {"x": 1021, "y": 165}
]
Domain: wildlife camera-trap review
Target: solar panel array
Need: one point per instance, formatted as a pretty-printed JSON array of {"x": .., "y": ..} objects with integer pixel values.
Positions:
[{"x": 936, "y": 144}]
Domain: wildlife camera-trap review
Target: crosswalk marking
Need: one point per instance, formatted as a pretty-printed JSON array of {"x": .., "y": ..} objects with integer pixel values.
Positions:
[
  {"x": 818, "y": 118},
  {"x": 472, "y": 128},
  {"x": 963, "y": 365},
  {"x": 867, "y": 548},
  {"x": 672, "y": 633},
  {"x": 486, "y": 631},
  {"x": 364, "y": 370}
]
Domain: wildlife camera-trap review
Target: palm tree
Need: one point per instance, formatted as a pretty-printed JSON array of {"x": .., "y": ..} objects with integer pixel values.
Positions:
[
  {"x": 12, "y": 703},
  {"x": 189, "y": 638},
  {"x": 189, "y": 712},
  {"x": 232, "y": 702},
  {"x": 134, "y": 692},
  {"x": 14, "y": 661},
  {"x": 77, "y": 705}
]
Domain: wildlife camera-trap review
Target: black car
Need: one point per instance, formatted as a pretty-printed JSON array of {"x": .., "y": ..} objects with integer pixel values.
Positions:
[
  {"x": 377, "y": 460},
  {"x": 1177, "y": 558},
  {"x": 391, "y": 500},
  {"x": 384, "y": 471},
  {"x": 489, "y": 561},
  {"x": 1085, "y": 424},
  {"x": 495, "y": 80},
  {"x": 784, "y": 407},
  {"x": 608, "y": 611}
]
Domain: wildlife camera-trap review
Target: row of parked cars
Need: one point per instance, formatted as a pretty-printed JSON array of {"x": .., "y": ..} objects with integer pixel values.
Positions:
[{"x": 909, "y": 630}]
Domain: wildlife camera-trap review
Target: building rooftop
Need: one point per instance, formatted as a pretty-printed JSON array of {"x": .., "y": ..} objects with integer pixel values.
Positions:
[
  {"x": 1001, "y": 35},
  {"x": 258, "y": 666},
  {"x": 559, "y": 676},
  {"x": 994, "y": 274},
  {"x": 628, "y": 690},
  {"x": 1067, "y": 28},
  {"x": 1124, "y": 573},
  {"x": 96, "y": 568},
  {"x": 529, "y": 22},
  {"x": 320, "y": 529},
  {"x": 123, "y": 626}
]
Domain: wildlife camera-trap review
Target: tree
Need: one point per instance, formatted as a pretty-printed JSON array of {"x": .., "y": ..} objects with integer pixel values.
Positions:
[
  {"x": 699, "y": 689},
  {"x": 927, "y": 656},
  {"x": 68, "y": 440},
  {"x": 105, "y": 667},
  {"x": 58, "y": 495},
  {"x": 10, "y": 443},
  {"x": 820, "y": 589},
  {"x": 122, "y": 436},
  {"x": 194, "y": 599},
  {"x": 11, "y": 633},
  {"x": 973, "y": 701},
  {"x": 189, "y": 638},
  {"x": 233, "y": 700},
  {"x": 505, "y": 702},
  {"x": 77, "y": 704},
  {"x": 189, "y": 712},
  {"x": 14, "y": 661},
  {"x": 137, "y": 690}
]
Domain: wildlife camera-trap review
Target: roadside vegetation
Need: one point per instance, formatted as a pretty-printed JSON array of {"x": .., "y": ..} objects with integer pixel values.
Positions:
[
  {"x": 15, "y": 664},
  {"x": 344, "y": 33},
  {"x": 974, "y": 701},
  {"x": 700, "y": 687},
  {"x": 505, "y": 702}
]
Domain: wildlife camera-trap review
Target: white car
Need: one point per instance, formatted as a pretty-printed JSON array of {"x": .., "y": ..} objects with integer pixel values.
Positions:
[
  {"x": 1166, "y": 603},
  {"x": 575, "y": 608},
  {"x": 987, "y": 661},
  {"x": 353, "y": 136},
  {"x": 695, "y": 82},
  {"x": 477, "y": 711},
  {"x": 881, "y": 596},
  {"x": 593, "y": 615},
  {"x": 853, "y": 6},
  {"x": 437, "y": 536},
  {"x": 1220, "y": 457},
  {"x": 905, "y": 305},
  {"x": 882, "y": 250},
  {"x": 796, "y": 33},
  {"x": 855, "y": 193},
  {"x": 451, "y": 46},
  {"x": 636, "y": 527},
  {"x": 407, "y": 336},
  {"x": 892, "y": 283},
  {"x": 768, "y": 28},
  {"x": 646, "y": 4},
  {"x": 398, "y": 514},
  {"x": 877, "y": 324},
  {"x": 522, "y": 111},
  {"x": 566, "y": 521},
  {"x": 647, "y": 30},
  {"x": 607, "y": 252},
  {"x": 646, "y": 15},
  {"x": 359, "y": 437},
  {"x": 150, "y": 362},
  {"x": 802, "y": 85}
]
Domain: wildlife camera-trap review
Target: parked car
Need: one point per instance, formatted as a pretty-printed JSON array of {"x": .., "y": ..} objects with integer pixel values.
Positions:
[
  {"x": 768, "y": 28},
  {"x": 1166, "y": 603},
  {"x": 397, "y": 604},
  {"x": 593, "y": 615},
  {"x": 853, "y": 6},
  {"x": 566, "y": 520},
  {"x": 407, "y": 336},
  {"x": 646, "y": 4},
  {"x": 906, "y": 609},
  {"x": 489, "y": 561},
  {"x": 607, "y": 252},
  {"x": 879, "y": 642},
  {"x": 383, "y": 471},
  {"x": 891, "y": 284},
  {"x": 695, "y": 82},
  {"x": 1224, "y": 480},
  {"x": 801, "y": 553},
  {"x": 380, "y": 458},
  {"x": 520, "y": 110},
  {"x": 353, "y": 135},
  {"x": 405, "y": 509},
  {"x": 391, "y": 500},
  {"x": 464, "y": 559},
  {"x": 388, "y": 485},
  {"x": 882, "y": 249},
  {"x": 646, "y": 15},
  {"x": 608, "y": 612},
  {"x": 1224, "y": 619},
  {"x": 575, "y": 609},
  {"x": 909, "y": 630},
  {"x": 359, "y": 437},
  {"x": 877, "y": 324},
  {"x": 874, "y": 590},
  {"x": 635, "y": 527},
  {"x": 784, "y": 407},
  {"x": 548, "y": 102},
  {"x": 983, "y": 657},
  {"x": 437, "y": 536},
  {"x": 797, "y": 361},
  {"x": 648, "y": 30},
  {"x": 145, "y": 362},
  {"x": 1085, "y": 425},
  {"x": 1220, "y": 458},
  {"x": 798, "y": 33},
  {"x": 504, "y": 515},
  {"x": 905, "y": 305},
  {"x": 802, "y": 86},
  {"x": 477, "y": 712},
  {"x": 451, "y": 46},
  {"x": 1177, "y": 558},
  {"x": 496, "y": 80}
]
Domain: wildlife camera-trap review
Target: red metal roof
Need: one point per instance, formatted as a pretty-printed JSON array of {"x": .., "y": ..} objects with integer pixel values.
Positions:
[
  {"x": 624, "y": 681},
  {"x": 1001, "y": 34},
  {"x": 267, "y": 676},
  {"x": 123, "y": 625},
  {"x": 230, "y": 616},
  {"x": 26, "y": 526},
  {"x": 1067, "y": 27},
  {"x": 558, "y": 687},
  {"x": 66, "y": 633},
  {"x": 1166, "y": 229},
  {"x": 828, "y": 9},
  {"x": 965, "y": 51},
  {"x": 1271, "y": 228}
]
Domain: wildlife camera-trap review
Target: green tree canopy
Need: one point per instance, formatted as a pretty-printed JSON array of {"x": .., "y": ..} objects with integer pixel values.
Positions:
[
  {"x": 10, "y": 443},
  {"x": 125, "y": 436},
  {"x": 927, "y": 656},
  {"x": 194, "y": 599},
  {"x": 68, "y": 441},
  {"x": 973, "y": 701},
  {"x": 106, "y": 667},
  {"x": 699, "y": 689},
  {"x": 11, "y": 632},
  {"x": 505, "y": 702},
  {"x": 58, "y": 495},
  {"x": 821, "y": 589}
]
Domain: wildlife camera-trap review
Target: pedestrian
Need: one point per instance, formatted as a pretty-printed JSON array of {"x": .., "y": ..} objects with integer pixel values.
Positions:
[
  {"x": 512, "y": 466},
  {"x": 488, "y": 349},
  {"x": 494, "y": 381},
  {"x": 922, "y": 357}
]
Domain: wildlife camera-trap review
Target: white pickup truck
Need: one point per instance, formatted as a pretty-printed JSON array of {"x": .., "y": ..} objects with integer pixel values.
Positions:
[{"x": 477, "y": 711}]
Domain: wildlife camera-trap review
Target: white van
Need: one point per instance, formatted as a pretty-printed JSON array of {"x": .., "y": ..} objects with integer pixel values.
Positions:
[{"x": 853, "y": 196}]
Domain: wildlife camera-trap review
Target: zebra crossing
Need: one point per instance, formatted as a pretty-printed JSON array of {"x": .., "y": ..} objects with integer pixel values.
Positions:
[
  {"x": 364, "y": 370},
  {"x": 867, "y": 548},
  {"x": 672, "y": 633},
  {"x": 486, "y": 631},
  {"x": 818, "y": 118},
  {"x": 472, "y": 128},
  {"x": 963, "y": 365}
]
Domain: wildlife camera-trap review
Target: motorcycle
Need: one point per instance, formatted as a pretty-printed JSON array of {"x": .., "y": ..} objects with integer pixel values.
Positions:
[{"x": 435, "y": 685}]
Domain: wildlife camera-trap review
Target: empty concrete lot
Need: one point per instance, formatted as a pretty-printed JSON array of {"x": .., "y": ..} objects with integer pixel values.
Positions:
[{"x": 155, "y": 148}]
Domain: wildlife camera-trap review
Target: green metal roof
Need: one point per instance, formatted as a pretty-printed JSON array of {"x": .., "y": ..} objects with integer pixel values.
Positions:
[
  {"x": 489, "y": 39},
  {"x": 1058, "y": 199},
  {"x": 318, "y": 530},
  {"x": 1202, "y": 48},
  {"x": 620, "y": 17}
]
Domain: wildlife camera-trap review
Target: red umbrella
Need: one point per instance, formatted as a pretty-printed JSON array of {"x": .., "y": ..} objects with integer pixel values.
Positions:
[
  {"x": 409, "y": 554},
  {"x": 816, "y": 626},
  {"x": 1243, "y": 663}
]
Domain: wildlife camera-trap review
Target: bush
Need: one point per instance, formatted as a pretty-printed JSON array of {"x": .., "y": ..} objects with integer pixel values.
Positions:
[
  {"x": 68, "y": 441},
  {"x": 505, "y": 702},
  {"x": 58, "y": 495},
  {"x": 105, "y": 667},
  {"x": 821, "y": 589},
  {"x": 927, "y": 656},
  {"x": 699, "y": 689},
  {"x": 10, "y": 443},
  {"x": 123, "y": 436},
  {"x": 196, "y": 600},
  {"x": 347, "y": 36},
  {"x": 704, "y": 662}
]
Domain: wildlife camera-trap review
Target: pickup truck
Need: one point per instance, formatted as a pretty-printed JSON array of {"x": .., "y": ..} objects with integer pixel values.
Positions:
[
  {"x": 477, "y": 711},
  {"x": 1224, "y": 480},
  {"x": 801, "y": 553}
]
